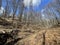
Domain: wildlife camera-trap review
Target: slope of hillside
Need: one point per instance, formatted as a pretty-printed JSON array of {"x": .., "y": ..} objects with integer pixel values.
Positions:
[{"x": 44, "y": 37}]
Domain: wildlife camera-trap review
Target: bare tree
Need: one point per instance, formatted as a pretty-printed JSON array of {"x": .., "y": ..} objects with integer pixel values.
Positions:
[
  {"x": 14, "y": 7},
  {"x": 21, "y": 9},
  {"x": 0, "y": 3},
  {"x": 31, "y": 16},
  {"x": 6, "y": 9}
]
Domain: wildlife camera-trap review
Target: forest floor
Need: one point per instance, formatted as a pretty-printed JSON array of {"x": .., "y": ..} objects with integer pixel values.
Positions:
[
  {"x": 42, "y": 37},
  {"x": 35, "y": 35},
  {"x": 38, "y": 36}
]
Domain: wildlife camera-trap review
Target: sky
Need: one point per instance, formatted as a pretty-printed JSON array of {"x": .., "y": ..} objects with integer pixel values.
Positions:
[
  {"x": 38, "y": 5},
  {"x": 34, "y": 2}
]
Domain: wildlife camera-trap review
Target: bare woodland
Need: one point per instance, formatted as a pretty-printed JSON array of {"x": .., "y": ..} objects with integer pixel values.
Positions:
[{"x": 21, "y": 27}]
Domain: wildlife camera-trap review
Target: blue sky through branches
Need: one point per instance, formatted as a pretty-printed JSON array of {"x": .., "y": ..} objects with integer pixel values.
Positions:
[{"x": 40, "y": 6}]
